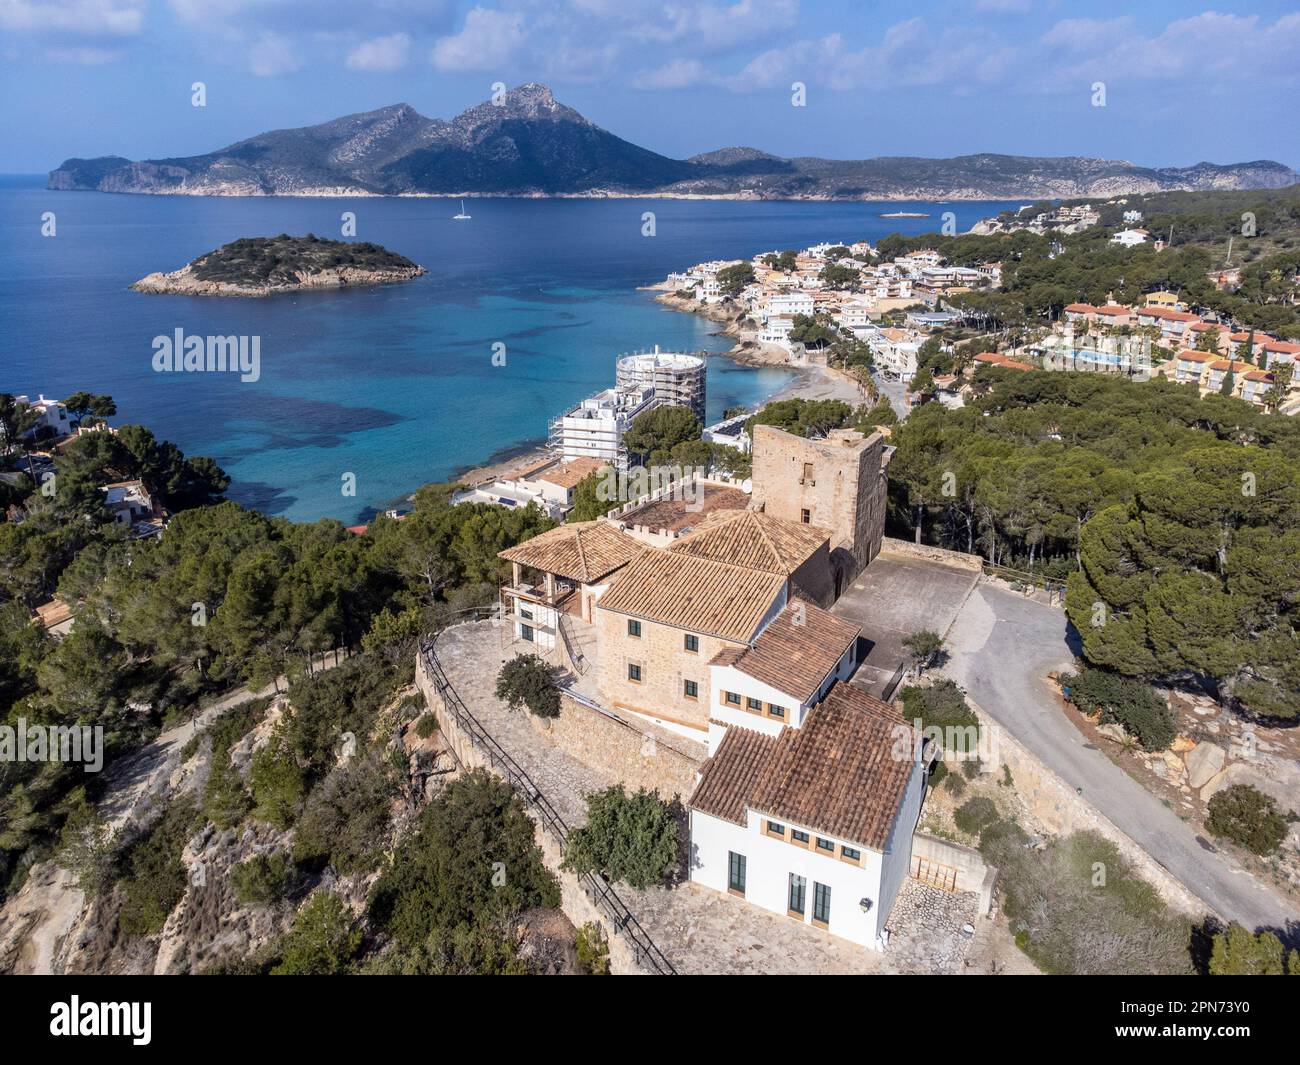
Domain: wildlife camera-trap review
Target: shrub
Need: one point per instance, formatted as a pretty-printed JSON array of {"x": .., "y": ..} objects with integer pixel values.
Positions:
[
  {"x": 1237, "y": 951},
  {"x": 345, "y": 699},
  {"x": 1130, "y": 703},
  {"x": 956, "y": 783},
  {"x": 1244, "y": 814},
  {"x": 632, "y": 838},
  {"x": 345, "y": 819},
  {"x": 1076, "y": 906},
  {"x": 942, "y": 706},
  {"x": 261, "y": 880},
  {"x": 938, "y": 772},
  {"x": 975, "y": 814},
  {"x": 925, "y": 648},
  {"x": 321, "y": 942},
  {"x": 593, "y": 950},
  {"x": 277, "y": 783},
  {"x": 469, "y": 865},
  {"x": 426, "y": 725},
  {"x": 529, "y": 680},
  {"x": 153, "y": 875}
]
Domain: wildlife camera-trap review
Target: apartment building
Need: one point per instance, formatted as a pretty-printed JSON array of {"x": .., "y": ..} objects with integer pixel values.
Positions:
[{"x": 594, "y": 428}]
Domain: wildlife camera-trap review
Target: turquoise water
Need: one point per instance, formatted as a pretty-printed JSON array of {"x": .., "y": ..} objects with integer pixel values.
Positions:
[{"x": 395, "y": 384}]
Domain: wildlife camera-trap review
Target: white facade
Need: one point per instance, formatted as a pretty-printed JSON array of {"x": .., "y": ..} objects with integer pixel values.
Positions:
[
  {"x": 761, "y": 706},
  {"x": 788, "y": 304},
  {"x": 594, "y": 429},
  {"x": 1129, "y": 237},
  {"x": 861, "y": 891}
]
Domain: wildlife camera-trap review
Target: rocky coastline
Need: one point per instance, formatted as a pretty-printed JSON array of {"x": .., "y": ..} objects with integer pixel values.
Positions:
[{"x": 183, "y": 282}]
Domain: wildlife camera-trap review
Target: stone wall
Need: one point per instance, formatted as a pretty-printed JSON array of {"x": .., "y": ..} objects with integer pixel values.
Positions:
[
  {"x": 926, "y": 553},
  {"x": 973, "y": 873},
  {"x": 839, "y": 481},
  {"x": 574, "y": 901},
  {"x": 619, "y": 749},
  {"x": 665, "y": 664},
  {"x": 1062, "y": 811}
]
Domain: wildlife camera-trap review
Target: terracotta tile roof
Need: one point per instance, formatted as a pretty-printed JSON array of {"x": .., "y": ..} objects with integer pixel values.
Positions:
[
  {"x": 1237, "y": 367},
  {"x": 696, "y": 594},
  {"x": 732, "y": 774},
  {"x": 838, "y": 774},
  {"x": 1259, "y": 375},
  {"x": 1113, "y": 309},
  {"x": 568, "y": 474},
  {"x": 1284, "y": 346},
  {"x": 1198, "y": 356},
  {"x": 678, "y": 514},
  {"x": 796, "y": 651},
  {"x": 582, "y": 551},
  {"x": 52, "y": 613},
  {"x": 1081, "y": 308},
  {"x": 753, "y": 540}
]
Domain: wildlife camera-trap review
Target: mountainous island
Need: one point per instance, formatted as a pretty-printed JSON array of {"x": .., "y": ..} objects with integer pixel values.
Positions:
[
  {"x": 531, "y": 145},
  {"x": 262, "y": 266}
]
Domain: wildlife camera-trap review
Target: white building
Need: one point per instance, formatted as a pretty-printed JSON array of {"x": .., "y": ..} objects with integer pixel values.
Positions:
[
  {"x": 811, "y": 820},
  {"x": 51, "y": 416},
  {"x": 594, "y": 428},
  {"x": 1130, "y": 237},
  {"x": 549, "y": 485},
  {"x": 787, "y": 305},
  {"x": 730, "y": 432}
]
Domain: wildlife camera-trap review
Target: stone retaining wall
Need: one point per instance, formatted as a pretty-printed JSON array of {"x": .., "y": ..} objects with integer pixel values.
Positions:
[
  {"x": 573, "y": 900},
  {"x": 926, "y": 553},
  {"x": 1063, "y": 811},
  {"x": 973, "y": 873},
  {"x": 619, "y": 750}
]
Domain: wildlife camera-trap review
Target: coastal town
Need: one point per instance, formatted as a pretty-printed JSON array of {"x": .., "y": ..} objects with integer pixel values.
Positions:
[
  {"x": 716, "y": 616},
  {"x": 817, "y": 493}
]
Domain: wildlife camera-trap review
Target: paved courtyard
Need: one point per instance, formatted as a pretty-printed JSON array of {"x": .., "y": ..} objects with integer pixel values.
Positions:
[
  {"x": 702, "y": 931},
  {"x": 894, "y": 597}
]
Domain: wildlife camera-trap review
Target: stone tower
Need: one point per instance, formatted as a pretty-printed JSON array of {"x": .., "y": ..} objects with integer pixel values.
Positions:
[{"x": 838, "y": 483}]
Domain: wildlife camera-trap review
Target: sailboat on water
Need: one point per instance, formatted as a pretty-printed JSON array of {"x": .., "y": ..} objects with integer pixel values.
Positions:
[{"x": 462, "y": 217}]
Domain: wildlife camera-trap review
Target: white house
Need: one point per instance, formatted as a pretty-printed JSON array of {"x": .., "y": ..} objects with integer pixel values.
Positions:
[
  {"x": 814, "y": 823},
  {"x": 788, "y": 669},
  {"x": 1130, "y": 237}
]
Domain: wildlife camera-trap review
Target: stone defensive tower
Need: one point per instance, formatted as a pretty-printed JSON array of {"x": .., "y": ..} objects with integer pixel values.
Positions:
[{"x": 839, "y": 483}]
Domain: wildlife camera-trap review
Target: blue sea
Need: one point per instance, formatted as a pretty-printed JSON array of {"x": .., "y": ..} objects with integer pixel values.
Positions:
[{"x": 396, "y": 384}]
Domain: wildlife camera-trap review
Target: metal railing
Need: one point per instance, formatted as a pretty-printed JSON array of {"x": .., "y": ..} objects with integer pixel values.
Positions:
[{"x": 595, "y": 886}]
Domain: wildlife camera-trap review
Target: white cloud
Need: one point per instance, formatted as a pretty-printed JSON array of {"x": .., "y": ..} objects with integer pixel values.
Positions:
[
  {"x": 272, "y": 54},
  {"x": 489, "y": 40},
  {"x": 675, "y": 74},
  {"x": 381, "y": 53},
  {"x": 88, "y": 18}
]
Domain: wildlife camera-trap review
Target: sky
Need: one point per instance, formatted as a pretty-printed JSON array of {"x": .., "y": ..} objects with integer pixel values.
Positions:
[{"x": 1182, "y": 81}]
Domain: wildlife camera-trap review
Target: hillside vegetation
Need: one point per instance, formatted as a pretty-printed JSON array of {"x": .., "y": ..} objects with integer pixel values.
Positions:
[{"x": 285, "y": 260}]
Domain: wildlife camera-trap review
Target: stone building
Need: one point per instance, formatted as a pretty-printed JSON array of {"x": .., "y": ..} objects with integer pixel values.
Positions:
[{"x": 839, "y": 483}]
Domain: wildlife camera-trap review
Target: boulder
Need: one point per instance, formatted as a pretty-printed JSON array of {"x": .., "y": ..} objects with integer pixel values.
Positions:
[
  {"x": 1182, "y": 744},
  {"x": 1203, "y": 761},
  {"x": 1174, "y": 765}
]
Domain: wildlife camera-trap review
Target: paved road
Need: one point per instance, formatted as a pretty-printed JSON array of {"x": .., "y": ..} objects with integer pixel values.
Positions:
[{"x": 1003, "y": 645}]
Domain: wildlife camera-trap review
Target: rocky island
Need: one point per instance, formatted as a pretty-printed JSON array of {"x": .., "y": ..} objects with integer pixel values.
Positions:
[{"x": 263, "y": 266}]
